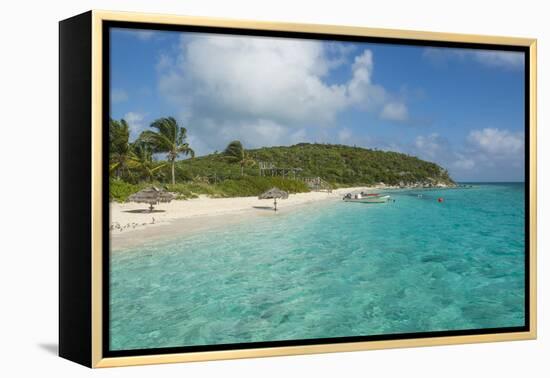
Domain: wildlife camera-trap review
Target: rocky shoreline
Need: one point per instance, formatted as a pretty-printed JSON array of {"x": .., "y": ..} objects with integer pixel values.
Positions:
[{"x": 419, "y": 185}]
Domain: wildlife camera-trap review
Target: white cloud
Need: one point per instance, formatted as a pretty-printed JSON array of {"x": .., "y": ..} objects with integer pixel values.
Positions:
[
  {"x": 344, "y": 135},
  {"x": 394, "y": 111},
  {"x": 254, "y": 77},
  {"x": 118, "y": 95},
  {"x": 490, "y": 58},
  {"x": 135, "y": 122},
  {"x": 361, "y": 92},
  {"x": 339, "y": 53},
  {"x": 486, "y": 154},
  {"x": 268, "y": 86},
  {"x": 431, "y": 146},
  {"x": 513, "y": 60},
  {"x": 360, "y": 83},
  {"x": 259, "y": 133},
  {"x": 298, "y": 136},
  {"x": 497, "y": 142},
  {"x": 214, "y": 134},
  {"x": 463, "y": 163},
  {"x": 141, "y": 34},
  {"x": 144, "y": 35}
]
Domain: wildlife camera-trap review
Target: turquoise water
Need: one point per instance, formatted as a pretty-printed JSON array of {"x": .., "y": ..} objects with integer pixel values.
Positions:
[{"x": 328, "y": 270}]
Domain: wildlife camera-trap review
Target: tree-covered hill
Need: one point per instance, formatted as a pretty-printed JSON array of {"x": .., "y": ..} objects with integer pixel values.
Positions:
[
  {"x": 338, "y": 165},
  {"x": 152, "y": 159}
]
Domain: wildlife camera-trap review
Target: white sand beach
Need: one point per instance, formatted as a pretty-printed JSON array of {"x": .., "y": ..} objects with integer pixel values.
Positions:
[{"x": 132, "y": 223}]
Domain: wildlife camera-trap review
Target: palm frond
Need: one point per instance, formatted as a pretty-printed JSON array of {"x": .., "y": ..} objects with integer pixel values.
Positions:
[
  {"x": 113, "y": 167},
  {"x": 158, "y": 167},
  {"x": 169, "y": 138}
]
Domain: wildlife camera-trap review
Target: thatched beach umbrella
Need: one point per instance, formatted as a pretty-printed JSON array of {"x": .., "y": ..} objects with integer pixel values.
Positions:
[
  {"x": 274, "y": 193},
  {"x": 152, "y": 196}
]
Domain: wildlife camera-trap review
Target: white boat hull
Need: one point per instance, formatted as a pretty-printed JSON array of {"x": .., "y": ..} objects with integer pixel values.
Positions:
[{"x": 369, "y": 199}]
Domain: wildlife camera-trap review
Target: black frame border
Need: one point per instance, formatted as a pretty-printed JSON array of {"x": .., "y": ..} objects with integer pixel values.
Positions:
[{"x": 107, "y": 25}]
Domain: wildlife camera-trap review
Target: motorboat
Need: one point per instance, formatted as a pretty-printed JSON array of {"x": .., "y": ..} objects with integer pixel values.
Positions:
[{"x": 366, "y": 198}]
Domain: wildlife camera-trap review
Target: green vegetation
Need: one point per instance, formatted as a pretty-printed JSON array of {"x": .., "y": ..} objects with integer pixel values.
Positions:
[
  {"x": 169, "y": 138},
  {"x": 337, "y": 164},
  {"x": 142, "y": 160},
  {"x": 238, "y": 172},
  {"x": 120, "y": 190},
  {"x": 239, "y": 187},
  {"x": 131, "y": 162},
  {"x": 235, "y": 153},
  {"x": 253, "y": 186},
  {"x": 119, "y": 148}
]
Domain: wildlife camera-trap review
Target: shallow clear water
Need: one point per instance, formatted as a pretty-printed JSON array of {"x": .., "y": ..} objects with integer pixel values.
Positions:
[{"x": 328, "y": 270}]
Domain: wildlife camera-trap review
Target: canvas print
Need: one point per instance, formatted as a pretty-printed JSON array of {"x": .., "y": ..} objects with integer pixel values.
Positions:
[{"x": 270, "y": 190}]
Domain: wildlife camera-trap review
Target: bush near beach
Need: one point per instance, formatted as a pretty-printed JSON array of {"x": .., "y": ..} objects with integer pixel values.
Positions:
[{"x": 239, "y": 187}]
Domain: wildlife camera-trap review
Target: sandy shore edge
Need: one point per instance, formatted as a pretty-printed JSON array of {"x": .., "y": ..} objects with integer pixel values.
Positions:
[{"x": 131, "y": 224}]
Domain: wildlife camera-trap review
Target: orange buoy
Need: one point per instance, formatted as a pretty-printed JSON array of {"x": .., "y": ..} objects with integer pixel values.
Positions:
[{"x": 440, "y": 199}]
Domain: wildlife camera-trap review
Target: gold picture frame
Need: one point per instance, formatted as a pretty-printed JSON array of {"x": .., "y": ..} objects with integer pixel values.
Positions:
[{"x": 93, "y": 23}]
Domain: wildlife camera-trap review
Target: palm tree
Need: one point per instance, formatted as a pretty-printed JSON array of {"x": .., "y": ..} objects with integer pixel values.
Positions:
[
  {"x": 170, "y": 138},
  {"x": 119, "y": 147},
  {"x": 142, "y": 159},
  {"x": 235, "y": 152}
]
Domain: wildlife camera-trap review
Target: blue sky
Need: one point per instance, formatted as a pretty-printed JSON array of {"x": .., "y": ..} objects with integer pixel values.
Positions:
[{"x": 460, "y": 108}]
